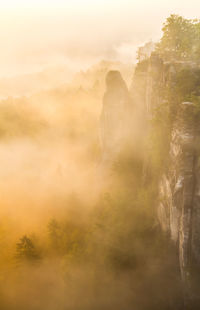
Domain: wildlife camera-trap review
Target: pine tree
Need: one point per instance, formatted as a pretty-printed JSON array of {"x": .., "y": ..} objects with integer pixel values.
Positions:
[{"x": 26, "y": 251}]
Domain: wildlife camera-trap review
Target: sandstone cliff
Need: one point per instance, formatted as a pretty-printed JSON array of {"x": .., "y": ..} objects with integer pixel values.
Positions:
[{"x": 158, "y": 96}]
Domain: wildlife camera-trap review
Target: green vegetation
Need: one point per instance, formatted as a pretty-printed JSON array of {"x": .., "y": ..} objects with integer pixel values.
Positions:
[
  {"x": 116, "y": 250},
  {"x": 111, "y": 255},
  {"x": 175, "y": 78},
  {"x": 26, "y": 251},
  {"x": 180, "y": 40}
]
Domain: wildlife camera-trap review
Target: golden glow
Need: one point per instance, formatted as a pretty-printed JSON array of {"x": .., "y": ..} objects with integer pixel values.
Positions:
[{"x": 47, "y": 32}]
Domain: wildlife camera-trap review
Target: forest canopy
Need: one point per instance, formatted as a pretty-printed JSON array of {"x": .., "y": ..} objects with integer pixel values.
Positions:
[{"x": 181, "y": 39}]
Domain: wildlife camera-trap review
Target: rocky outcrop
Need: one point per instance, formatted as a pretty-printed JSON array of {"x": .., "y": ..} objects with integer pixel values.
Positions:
[
  {"x": 179, "y": 183},
  {"x": 147, "y": 84},
  {"x": 179, "y": 208},
  {"x": 113, "y": 122}
]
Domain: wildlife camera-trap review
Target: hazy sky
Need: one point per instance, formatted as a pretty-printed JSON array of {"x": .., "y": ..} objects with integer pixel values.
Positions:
[{"x": 39, "y": 33}]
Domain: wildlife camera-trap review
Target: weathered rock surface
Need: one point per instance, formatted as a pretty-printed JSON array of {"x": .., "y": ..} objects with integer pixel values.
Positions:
[
  {"x": 179, "y": 184},
  {"x": 113, "y": 122}
]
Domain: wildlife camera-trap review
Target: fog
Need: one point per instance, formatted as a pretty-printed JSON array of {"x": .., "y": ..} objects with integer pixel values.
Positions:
[
  {"x": 77, "y": 232},
  {"x": 74, "y": 232},
  {"x": 36, "y": 34}
]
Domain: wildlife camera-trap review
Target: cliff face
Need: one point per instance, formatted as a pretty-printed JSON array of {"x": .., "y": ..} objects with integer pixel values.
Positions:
[
  {"x": 157, "y": 84},
  {"x": 179, "y": 207},
  {"x": 179, "y": 179}
]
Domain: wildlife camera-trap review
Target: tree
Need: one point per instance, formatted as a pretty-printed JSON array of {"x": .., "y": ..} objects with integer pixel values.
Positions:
[
  {"x": 180, "y": 38},
  {"x": 26, "y": 251},
  {"x": 54, "y": 234},
  {"x": 197, "y": 41}
]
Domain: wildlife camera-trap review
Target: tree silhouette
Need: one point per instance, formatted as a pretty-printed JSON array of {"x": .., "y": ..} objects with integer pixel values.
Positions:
[
  {"x": 26, "y": 250},
  {"x": 54, "y": 234}
]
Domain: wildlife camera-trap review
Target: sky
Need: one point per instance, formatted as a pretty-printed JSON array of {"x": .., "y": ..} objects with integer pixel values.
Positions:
[{"x": 36, "y": 34}]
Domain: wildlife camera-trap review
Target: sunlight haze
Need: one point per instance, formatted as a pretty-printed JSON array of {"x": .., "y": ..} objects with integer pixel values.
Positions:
[{"x": 38, "y": 34}]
